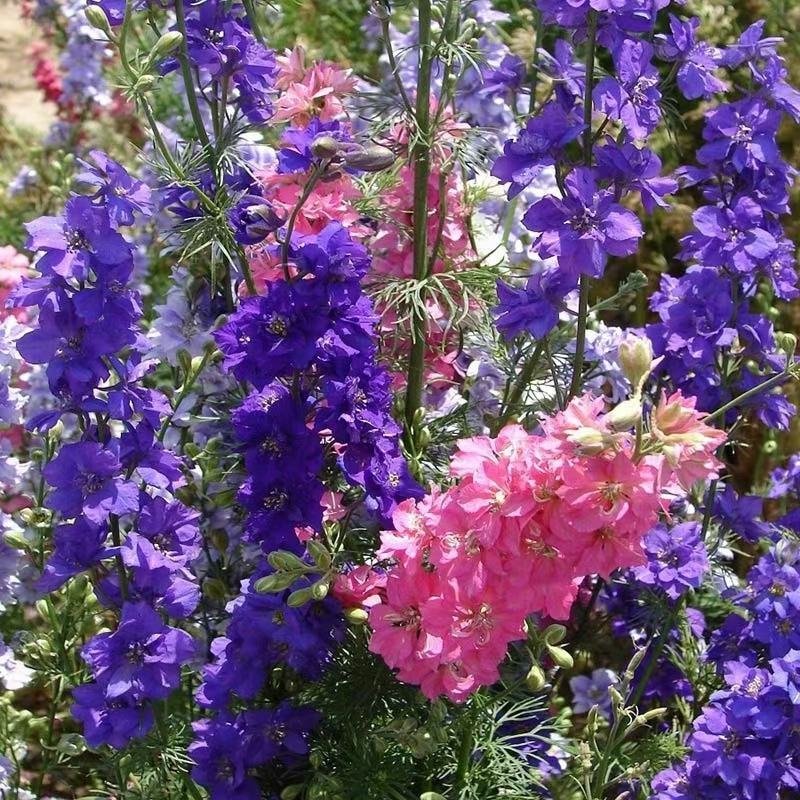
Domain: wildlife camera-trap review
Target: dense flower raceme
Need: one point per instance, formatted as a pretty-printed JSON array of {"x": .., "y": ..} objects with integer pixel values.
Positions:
[
  {"x": 746, "y": 740},
  {"x": 308, "y": 347},
  {"x": 534, "y": 514},
  {"x": 88, "y": 339}
]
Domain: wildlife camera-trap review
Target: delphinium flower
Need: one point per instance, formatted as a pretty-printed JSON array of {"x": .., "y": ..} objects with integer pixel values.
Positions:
[
  {"x": 676, "y": 559},
  {"x": 592, "y": 690},
  {"x": 744, "y": 744},
  {"x": 308, "y": 347},
  {"x": 88, "y": 336},
  {"x": 738, "y": 238},
  {"x": 533, "y": 513}
]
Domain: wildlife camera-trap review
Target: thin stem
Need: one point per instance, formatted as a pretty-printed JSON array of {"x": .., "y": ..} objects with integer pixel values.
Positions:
[
  {"x": 383, "y": 16},
  {"x": 775, "y": 380},
  {"x": 194, "y": 108},
  {"x": 535, "y": 62},
  {"x": 116, "y": 538},
  {"x": 464, "y": 754},
  {"x": 521, "y": 384},
  {"x": 287, "y": 239},
  {"x": 583, "y": 303},
  {"x": 421, "y": 159}
]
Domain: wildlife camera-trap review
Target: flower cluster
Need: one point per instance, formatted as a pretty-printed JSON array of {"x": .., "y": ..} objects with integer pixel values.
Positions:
[
  {"x": 532, "y": 512},
  {"x": 88, "y": 338},
  {"x": 746, "y": 739},
  {"x": 737, "y": 244}
]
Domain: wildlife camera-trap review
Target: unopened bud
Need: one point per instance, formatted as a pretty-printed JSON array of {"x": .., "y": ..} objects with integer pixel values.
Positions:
[
  {"x": 624, "y": 416},
  {"x": 356, "y": 616},
  {"x": 16, "y": 540},
  {"x": 166, "y": 44},
  {"x": 145, "y": 83},
  {"x": 787, "y": 342},
  {"x": 591, "y": 441},
  {"x": 636, "y": 356},
  {"x": 535, "y": 679},
  {"x": 318, "y": 551},
  {"x": 274, "y": 583},
  {"x": 554, "y": 634},
  {"x": 616, "y": 698},
  {"x": 319, "y": 591},
  {"x": 214, "y": 588},
  {"x": 561, "y": 658},
  {"x": 299, "y": 598},
  {"x": 432, "y": 796},
  {"x": 372, "y": 158},
  {"x": 97, "y": 18},
  {"x": 292, "y": 792},
  {"x": 324, "y": 147},
  {"x": 56, "y": 432},
  {"x": 286, "y": 561},
  {"x": 591, "y": 720}
]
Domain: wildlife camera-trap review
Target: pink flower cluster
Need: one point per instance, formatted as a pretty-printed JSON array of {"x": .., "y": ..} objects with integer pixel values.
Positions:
[
  {"x": 530, "y": 516},
  {"x": 14, "y": 266}
]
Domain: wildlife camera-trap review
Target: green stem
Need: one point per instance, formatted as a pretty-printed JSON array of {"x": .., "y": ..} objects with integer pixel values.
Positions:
[
  {"x": 535, "y": 62},
  {"x": 287, "y": 239},
  {"x": 583, "y": 303},
  {"x": 775, "y": 380},
  {"x": 521, "y": 384},
  {"x": 194, "y": 108},
  {"x": 464, "y": 754},
  {"x": 421, "y": 159},
  {"x": 116, "y": 538}
]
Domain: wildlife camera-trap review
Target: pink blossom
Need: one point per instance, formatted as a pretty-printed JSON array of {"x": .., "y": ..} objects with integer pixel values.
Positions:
[
  {"x": 14, "y": 266},
  {"x": 359, "y": 588}
]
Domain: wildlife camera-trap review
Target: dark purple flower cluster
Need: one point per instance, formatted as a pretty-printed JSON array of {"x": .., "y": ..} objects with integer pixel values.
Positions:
[
  {"x": 587, "y": 222},
  {"x": 317, "y": 329},
  {"x": 676, "y": 559},
  {"x": 229, "y": 749},
  {"x": 264, "y": 632},
  {"x": 223, "y": 49},
  {"x": 138, "y": 663},
  {"x": 746, "y": 742},
  {"x": 89, "y": 337},
  {"x": 738, "y": 240},
  {"x": 308, "y": 347}
]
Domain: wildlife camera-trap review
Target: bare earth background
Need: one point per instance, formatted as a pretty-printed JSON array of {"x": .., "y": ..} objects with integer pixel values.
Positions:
[{"x": 20, "y": 100}]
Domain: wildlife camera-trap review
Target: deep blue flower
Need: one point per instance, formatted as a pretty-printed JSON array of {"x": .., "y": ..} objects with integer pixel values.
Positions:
[
  {"x": 76, "y": 242},
  {"x": 676, "y": 559},
  {"x": 77, "y": 547},
  {"x": 535, "y": 307},
  {"x": 120, "y": 194},
  {"x": 87, "y": 479},
  {"x": 698, "y": 61},
  {"x": 632, "y": 95},
  {"x": 110, "y": 721},
  {"x": 142, "y": 658},
  {"x": 584, "y": 228},
  {"x": 742, "y": 514},
  {"x": 538, "y": 145}
]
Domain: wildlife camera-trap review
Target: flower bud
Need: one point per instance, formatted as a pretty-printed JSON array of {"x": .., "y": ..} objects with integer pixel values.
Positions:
[
  {"x": 285, "y": 561},
  {"x": 324, "y": 147},
  {"x": 636, "y": 356},
  {"x": 274, "y": 583},
  {"x": 624, "y": 416},
  {"x": 535, "y": 680},
  {"x": 97, "y": 18},
  {"x": 787, "y": 342},
  {"x": 319, "y": 591},
  {"x": 214, "y": 588},
  {"x": 591, "y": 441},
  {"x": 561, "y": 658},
  {"x": 432, "y": 796},
  {"x": 299, "y": 598},
  {"x": 145, "y": 83},
  {"x": 373, "y": 158},
  {"x": 292, "y": 792},
  {"x": 166, "y": 44},
  {"x": 356, "y": 616},
  {"x": 554, "y": 634},
  {"x": 16, "y": 540},
  {"x": 318, "y": 551}
]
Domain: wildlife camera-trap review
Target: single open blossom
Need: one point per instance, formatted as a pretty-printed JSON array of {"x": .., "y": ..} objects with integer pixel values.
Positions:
[
  {"x": 538, "y": 145},
  {"x": 533, "y": 308},
  {"x": 87, "y": 480},
  {"x": 122, "y": 195},
  {"x": 584, "y": 228},
  {"x": 141, "y": 658},
  {"x": 633, "y": 96},
  {"x": 72, "y": 244},
  {"x": 697, "y": 61},
  {"x": 592, "y": 690},
  {"x": 676, "y": 559}
]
